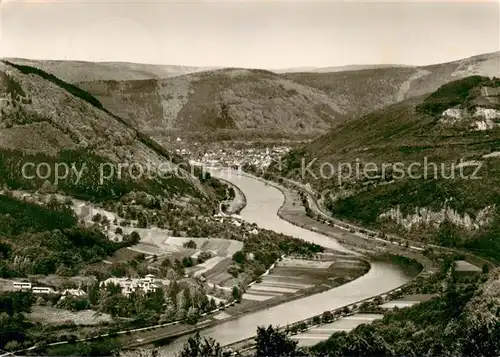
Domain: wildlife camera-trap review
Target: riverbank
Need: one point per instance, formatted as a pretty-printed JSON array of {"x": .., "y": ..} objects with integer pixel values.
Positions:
[
  {"x": 282, "y": 314},
  {"x": 322, "y": 213},
  {"x": 238, "y": 203},
  {"x": 157, "y": 337},
  {"x": 160, "y": 335},
  {"x": 263, "y": 203},
  {"x": 294, "y": 212},
  {"x": 411, "y": 266}
]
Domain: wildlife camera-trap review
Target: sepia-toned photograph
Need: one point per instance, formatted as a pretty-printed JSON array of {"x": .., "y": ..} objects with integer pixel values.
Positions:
[{"x": 269, "y": 178}]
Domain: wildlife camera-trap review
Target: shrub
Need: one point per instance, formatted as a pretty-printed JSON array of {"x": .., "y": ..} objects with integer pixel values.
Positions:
[
  {"x": 233, "y": 270},
  {"x": 327, "y": 316},
  {"x": 190, "y": 245},
  {"x": 239, "y": 257}
]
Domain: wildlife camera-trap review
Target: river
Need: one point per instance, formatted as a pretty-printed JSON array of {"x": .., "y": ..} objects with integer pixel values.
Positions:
[{"x": 263, "y": 202}]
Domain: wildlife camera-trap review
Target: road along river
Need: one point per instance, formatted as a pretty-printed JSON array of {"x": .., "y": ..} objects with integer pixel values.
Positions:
[{"x": 263, "y": 203}]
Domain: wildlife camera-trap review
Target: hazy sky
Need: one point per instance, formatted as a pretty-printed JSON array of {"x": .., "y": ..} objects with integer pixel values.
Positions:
[{"x": 265, "y": 34}]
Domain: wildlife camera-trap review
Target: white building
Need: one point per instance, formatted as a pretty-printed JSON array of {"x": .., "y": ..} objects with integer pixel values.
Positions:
[
  {"x": 22, "y": 286},
  {"x": 148, "y": 284},
  {"x": 42, "y": 290},
  {"x": 128, "y": 286},
  {"x": 73, "y": 292},
  {"x": 34, "y": 289}
]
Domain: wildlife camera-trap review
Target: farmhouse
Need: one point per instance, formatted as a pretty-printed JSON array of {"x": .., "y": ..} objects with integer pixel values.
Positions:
[{"x": 128, "y": 286}]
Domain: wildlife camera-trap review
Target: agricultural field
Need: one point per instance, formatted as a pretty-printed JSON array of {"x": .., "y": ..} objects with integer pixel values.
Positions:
[
  {"x": 123, "y": 255},
  {"x": 222, "y": 247},
  {"x": 407, "y": 301},
  {"x": 219, "y": 276},
  {"x": 296, "y": 277},
  {"x": 157, "y": 242},
  {"x": 215, "y": 268},
  {"x": 205, "y": 267},
  {"x": 323, "y": 332},
  {"x": 54, "y": 316},
  {"x": 86, "y": 211},
  {"x": 348, "y": 323}
]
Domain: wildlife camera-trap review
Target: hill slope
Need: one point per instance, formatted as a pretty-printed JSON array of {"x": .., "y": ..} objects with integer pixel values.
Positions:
[
  {"x": 359, "y": 92},
  {"x": 416, "y": 166},
  {"x": 45, "y": 119},
  {"x": 231, "y": 99},
  {"x": 159, "y": 101},
  {"x": 79, "y": 71},
  {"x": 487, "y": 64},
  {"x": 264, "y": 102}
]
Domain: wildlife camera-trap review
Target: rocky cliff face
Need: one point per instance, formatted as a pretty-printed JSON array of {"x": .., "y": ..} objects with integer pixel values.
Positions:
[{"x": 424, "y": 216}]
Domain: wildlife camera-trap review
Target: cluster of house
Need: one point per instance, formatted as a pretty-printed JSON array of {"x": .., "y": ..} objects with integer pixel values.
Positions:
[
  {"x": 21, "y": 286},
  {"x": 230, "y": 157},
  {"x": 128, "y": 286}
]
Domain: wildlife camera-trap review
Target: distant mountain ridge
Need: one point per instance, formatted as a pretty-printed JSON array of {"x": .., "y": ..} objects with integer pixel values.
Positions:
[
  {"x": 159, "y": 99},
  {"x": 78, "y": 71},
  {"x": 351, "y": 67}
]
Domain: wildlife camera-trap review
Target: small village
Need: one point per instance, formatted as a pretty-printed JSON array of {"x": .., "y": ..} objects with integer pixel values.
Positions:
[{"x": 232, "y": 157}]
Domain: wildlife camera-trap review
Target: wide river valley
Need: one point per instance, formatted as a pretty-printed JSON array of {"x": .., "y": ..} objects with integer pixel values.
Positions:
[{"x": 263, "y": 203}]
